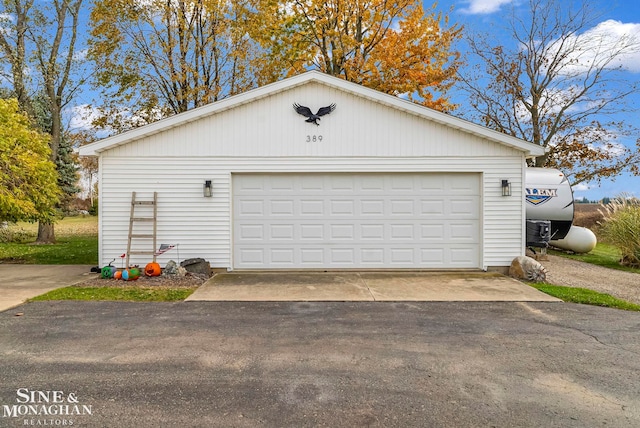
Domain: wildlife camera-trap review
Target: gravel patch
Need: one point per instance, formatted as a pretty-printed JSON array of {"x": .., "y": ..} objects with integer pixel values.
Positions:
[
  {"x": 573, "y": 273},
  {"x": 162, "y": 281}
]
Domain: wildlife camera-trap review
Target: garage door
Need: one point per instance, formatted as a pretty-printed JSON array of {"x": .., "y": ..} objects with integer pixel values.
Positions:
[{"x": 342, "y": 221}]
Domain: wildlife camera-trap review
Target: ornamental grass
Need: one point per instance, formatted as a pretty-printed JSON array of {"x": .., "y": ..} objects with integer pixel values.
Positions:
[{"x": 621, "y": 227}]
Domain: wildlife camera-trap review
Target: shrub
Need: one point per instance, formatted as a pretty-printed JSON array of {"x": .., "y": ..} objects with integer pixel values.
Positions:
[
  {"x": 621, "y": 227},
  {"x": 13, "y": 234}
]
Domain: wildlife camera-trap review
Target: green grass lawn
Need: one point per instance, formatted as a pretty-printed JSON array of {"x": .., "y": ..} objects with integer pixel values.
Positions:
[
  {"x": 603, "y": 255},
  {"x": 131, "y": 294},
  {"x": 77, "y": 243},
  {"x": 585, "y": 296}
]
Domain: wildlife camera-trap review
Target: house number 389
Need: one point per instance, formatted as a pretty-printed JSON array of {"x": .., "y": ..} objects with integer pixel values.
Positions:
[{"x": 314, "y": 138}]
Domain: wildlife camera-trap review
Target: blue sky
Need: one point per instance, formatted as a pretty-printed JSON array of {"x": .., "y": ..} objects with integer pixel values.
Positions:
[{"x": 489, "y": 16}]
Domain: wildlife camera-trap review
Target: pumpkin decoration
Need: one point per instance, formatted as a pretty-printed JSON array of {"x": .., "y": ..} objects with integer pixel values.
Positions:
[
  {"x": 152, "y": 269},
  {"x": 125, "y": 275},
  {"x": 118, "y": 274},
  {"x": 107, "y": 272},
  {"x": 134, "y": 273}
]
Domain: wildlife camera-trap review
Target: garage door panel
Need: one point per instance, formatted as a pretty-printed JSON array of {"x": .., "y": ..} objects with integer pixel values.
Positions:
[
  {"x": 432, "y": 184},
  {"x": 280, "y": 183},
  {"x": 464, "y": 207},
  {"x": 401, "y": 256},
  {"x": 251, "y": 256},
  {"x": 372, "y": 256},
  {"x": 462, "y": 256},
  {"x": 283, "y": 256},
  {"x": 432, "y": 257},
  {"x": 372, "y": 184},
  {"x": 432, "y": 232},
  {"x": 462, "y": 232},
  {"x": 309, "y": 232},
  {"x": 342, "y": 232},
  {"x": 432, "y": 207},
  {"x": 282, "y": 232},
  {"x": 372, "y": 232},
  {"x": 281, "y": 208},
  {"x": 309, "y": 184},
  {"x": 341, "y": 207},
  {"x": 402, "y": 207},
  {"x": 248, "y": 207},
  {"x": 372, "y": 207},
  {"x": 402, "y": 232},
  {"x": 312, "y": 207},
  {"x": 356, "y": 220},
  {"x": 342, "y": 183},
  {"x": 460, "y": 184},
  {"x": 251, "y": 232},
  {"x": 251, "y": 183},
  {"x": 402, "y": 183}
]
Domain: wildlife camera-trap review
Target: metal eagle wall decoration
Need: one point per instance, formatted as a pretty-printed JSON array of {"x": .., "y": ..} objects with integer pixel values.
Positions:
[{"x": 313, "y": 118}]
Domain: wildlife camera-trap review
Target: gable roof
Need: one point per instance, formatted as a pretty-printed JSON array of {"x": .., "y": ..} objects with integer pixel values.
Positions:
[{"x": 96, "y": 148}]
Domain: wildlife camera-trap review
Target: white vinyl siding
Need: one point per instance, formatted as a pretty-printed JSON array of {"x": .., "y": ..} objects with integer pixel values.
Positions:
[
  {"x": 202, "y": 226},
  {"x": 270, "y": 127}
]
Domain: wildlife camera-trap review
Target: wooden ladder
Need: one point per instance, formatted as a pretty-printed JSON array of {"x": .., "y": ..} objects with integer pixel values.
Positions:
[{"x": 142, "y": 219}]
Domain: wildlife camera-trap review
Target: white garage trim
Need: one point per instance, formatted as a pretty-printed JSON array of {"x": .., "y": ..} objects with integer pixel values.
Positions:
[{"x": 357, "y": 220}]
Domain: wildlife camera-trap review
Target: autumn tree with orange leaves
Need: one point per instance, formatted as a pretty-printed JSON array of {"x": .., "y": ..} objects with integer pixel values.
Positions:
[
  {"x": 155, "y": 58},
  {"x": 394, "y": 47}
]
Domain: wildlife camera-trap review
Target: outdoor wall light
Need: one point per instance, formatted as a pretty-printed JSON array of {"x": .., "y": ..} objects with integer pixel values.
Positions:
[
  {"x": 506, "y": 188},
  {"x": 207, "y": 189}
]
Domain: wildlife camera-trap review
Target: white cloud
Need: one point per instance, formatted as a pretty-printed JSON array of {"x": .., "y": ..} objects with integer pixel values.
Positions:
[
  {"x": 483, "y": 7},
  {"x": 607, "y": 40},
  {"x": 581, "y": 187},
  {"x": 6, "y": 22},
  {"x": 82, "y": 116},
  {"x": 81, "y": 54}
]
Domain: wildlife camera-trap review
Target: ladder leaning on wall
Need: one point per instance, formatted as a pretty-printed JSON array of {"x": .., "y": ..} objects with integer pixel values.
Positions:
[{"x": 150, "y": 215}]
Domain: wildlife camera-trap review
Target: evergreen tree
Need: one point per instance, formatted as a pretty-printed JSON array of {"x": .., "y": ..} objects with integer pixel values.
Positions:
[{"x": 66, "y": 161}]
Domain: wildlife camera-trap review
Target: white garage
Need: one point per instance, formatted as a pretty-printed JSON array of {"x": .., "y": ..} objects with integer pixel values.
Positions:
[
  {"x": 365, "y": 220},
  {"x": 375, "y": 182}
]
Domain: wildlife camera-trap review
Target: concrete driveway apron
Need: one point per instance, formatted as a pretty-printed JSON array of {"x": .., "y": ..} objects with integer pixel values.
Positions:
[
  {"x": 20, "y": 282},
  {"x": 366, "y": 286}
]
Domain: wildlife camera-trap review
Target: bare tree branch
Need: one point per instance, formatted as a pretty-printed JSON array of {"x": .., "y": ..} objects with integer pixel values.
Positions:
[{"x": 559, "y": 86}]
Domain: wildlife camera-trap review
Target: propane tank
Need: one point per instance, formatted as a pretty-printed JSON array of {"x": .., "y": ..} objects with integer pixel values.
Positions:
[{"x": 578, "y": 240}]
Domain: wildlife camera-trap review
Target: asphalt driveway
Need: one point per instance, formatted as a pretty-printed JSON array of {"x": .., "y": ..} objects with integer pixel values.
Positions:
[{"x": 245, "y": 364}]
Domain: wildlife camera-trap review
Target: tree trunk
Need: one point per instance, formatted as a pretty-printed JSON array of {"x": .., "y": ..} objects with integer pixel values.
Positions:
[{"x": 46, "y": 234}]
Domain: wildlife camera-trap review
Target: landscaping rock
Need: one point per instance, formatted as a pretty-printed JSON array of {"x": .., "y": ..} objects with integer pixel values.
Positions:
[
  {"x": 528, "y": 269},
  {"x": 197, "y": 266},
  {"x": 171, "y": 268}
]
